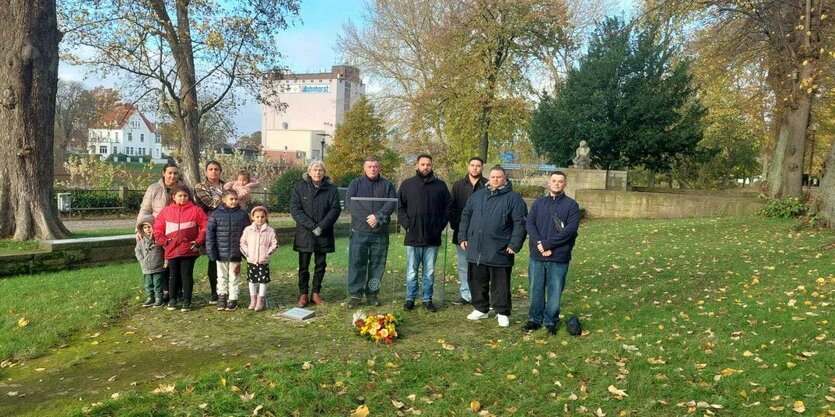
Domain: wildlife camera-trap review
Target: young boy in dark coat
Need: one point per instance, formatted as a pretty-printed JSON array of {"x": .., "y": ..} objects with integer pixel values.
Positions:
[{"x": 223, "y": 236}]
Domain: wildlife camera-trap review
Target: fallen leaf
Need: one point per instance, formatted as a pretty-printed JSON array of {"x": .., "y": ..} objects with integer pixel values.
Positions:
[
  {"x": 22, "y": 322},
  {"x": 361, "y": 411},
  {"x": 475, "y": 406},
  {"x": 511, "y": 377},
  {"x": 307, "y": 365},
  {"x": 257, "y": 410},
  {"x": 397, "y": 404},
  {"x": 617, "y": 392},
  {"x": 798, "y": 406}
]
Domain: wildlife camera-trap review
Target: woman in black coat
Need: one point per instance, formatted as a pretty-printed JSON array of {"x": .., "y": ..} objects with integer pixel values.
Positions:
[{"x": 315, "y": 208}]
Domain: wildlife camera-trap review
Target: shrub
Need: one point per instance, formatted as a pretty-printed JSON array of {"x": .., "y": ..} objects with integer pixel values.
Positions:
[
  {"x": 529, "y": 191},
  {"x": 133, "y": 200},
  {"x": 92, "y": 199},
  {"x": 784, "y": 208},
  {"x": 281, "y": 190}
]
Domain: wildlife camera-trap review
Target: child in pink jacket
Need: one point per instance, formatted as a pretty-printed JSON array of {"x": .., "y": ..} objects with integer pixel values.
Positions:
[
  {"x": 258, "y": 242},
  {"x": 244, "y": 186}
]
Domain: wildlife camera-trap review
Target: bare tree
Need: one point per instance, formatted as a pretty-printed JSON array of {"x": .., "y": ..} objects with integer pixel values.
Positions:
[
  {"x": 28, "y": 82},
  {"x": 179, "y": 51},
  {"x": 75, "y": 108}
]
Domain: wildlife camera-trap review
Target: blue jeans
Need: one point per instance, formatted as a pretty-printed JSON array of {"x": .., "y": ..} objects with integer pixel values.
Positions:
[
  {"x": 547, "y": 280},
  {"x": 463, "y": 265},
  {"x": 415, "y": 256},
  {"x": 367, "y": 254}
]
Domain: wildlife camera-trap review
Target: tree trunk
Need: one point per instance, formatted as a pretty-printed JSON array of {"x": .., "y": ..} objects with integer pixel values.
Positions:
[
  {"x": 785, "y": 178},
  {"x": 826, "y": 192},
  {"x": 775, "y": 165},
  {"x": 28, "y": 84}
]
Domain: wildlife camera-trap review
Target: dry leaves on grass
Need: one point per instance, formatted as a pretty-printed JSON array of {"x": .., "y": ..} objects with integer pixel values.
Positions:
[{"x": 361, "y": 411}]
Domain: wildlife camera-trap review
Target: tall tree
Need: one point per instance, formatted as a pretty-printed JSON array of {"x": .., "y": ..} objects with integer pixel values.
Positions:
[
  {"x": 360, "y": 135},
  {"x": 632, "y": 99},
  {"x": 793, "y": 38},
  {"x": 28, "y": 84},
  {"x": 181, "y": 51},
  {"x": 455, "y": 74},
  {"x": 75, "y": 108}
]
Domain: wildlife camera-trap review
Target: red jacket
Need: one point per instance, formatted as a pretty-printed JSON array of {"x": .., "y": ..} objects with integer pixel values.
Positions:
[{"x": 179, "y": 228}]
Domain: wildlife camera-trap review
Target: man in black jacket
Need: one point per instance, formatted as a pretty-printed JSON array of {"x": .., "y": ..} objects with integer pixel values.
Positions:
[
  {"x": 492, "y": 232},
  {"x": 315, "y": 208},
  {"x": 424, "y": 209},
  {"x": 369, "y": 242},
  {"x": 461, "y": 192}
]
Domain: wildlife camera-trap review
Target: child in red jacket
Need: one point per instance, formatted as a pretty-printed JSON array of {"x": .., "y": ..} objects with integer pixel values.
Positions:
[{"x": 180, "y": 228}]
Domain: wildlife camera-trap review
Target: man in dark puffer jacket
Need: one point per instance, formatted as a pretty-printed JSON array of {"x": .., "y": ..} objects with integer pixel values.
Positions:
[
  {"x": 223, "y": 237},
  {"x": 492, "y": 232}
]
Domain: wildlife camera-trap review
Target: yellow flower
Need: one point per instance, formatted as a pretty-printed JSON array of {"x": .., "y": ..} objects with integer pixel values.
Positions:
[{"x": 384, "y": 333}]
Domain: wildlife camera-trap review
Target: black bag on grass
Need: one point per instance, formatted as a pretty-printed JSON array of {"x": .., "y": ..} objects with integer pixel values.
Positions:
[{"x": 573, "y": 326}]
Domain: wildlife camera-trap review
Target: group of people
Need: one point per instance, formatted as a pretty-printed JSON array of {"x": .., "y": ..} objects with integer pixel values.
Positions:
[
  {"x": 176, "y": 222},
  {"x": 490, "y": 223}
]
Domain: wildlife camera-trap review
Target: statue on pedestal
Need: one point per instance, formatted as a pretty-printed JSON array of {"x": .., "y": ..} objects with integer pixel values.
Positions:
[{"x": 582, "y": 157}]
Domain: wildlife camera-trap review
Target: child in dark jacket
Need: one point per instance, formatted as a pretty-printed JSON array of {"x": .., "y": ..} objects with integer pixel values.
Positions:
[
  {"x": 151, "y": 260},
  {"x": 180, "y": 228},
  {"x": 223, "y": 245}
]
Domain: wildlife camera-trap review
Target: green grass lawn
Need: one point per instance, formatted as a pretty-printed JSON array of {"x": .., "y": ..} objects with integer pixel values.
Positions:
[{"x": 724, "y": 316}]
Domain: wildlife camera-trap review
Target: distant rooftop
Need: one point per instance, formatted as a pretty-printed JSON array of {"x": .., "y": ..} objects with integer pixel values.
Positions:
[{"x": 345, "y": 72}]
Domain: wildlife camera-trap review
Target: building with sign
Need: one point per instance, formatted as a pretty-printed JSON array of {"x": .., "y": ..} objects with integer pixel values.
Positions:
[{"x": 315, "y": 104}]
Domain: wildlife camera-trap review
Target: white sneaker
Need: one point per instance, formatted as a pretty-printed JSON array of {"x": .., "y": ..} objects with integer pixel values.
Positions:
[
  {"x": 504, "y": 321},
  {"x": 477, "y": 315}
]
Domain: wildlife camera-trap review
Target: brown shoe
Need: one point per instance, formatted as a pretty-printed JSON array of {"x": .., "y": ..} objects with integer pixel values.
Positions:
[
  {"x": 303, "y": 300},
  {"x": 318, "y": 299}
]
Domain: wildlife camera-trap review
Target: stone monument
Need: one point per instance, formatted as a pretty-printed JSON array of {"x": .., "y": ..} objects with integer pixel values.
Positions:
[{"x": 582, "y": 157}]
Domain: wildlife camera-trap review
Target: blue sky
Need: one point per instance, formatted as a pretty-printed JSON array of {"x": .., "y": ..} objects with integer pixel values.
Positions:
[{"x": 308, "y": 45}]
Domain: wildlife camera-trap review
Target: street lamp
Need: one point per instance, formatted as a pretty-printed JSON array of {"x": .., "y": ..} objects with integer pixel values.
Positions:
[{"x": 323, "y": 135}]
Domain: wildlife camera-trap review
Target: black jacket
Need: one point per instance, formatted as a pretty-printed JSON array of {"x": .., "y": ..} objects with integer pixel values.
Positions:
[
  {"x": 424, "y": 209},
  {"x": 362, "y": 186},
  {"x": 313, "y": 207},
  {"x": 461, "y": 192},
  {"x": 541, "y": 227},
  {"x": 492, "y": 221},
  {"x": 223, "y": 233}
]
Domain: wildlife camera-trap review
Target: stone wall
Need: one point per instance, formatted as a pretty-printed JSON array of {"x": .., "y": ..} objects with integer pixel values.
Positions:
[
  {"x": 57, "y": 255},
  {"x": 631, "y": 204},
  {"x": 584, "y": 179}
]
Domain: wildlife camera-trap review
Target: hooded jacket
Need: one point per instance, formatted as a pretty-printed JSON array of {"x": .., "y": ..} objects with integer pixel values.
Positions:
[
  {"x": 424, "y": 209},
  {"x": 180, "y": 229},
  {"x": 541, "y": 227},
  {"x": 492, "y": 221},
  {"x": 223, "y": 233},
  {"x": 462, "y": 190},
  {"x": 258, "y": 242},
  {"x": 379, "y": 187},
  {"x": 148, "y": 253},
  {"x": 313, "y": 207},
  {"x": 156, "y": 198}
]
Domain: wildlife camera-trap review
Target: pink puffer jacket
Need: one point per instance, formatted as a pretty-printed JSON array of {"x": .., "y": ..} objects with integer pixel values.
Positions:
[{"x": 258, "y": 243}]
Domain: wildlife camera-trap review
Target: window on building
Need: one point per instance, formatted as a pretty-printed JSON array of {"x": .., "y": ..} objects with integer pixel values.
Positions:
[
  {"x": 142, "y": 137},
  {"x": 285, "y": 125},
  {"x": 115, "y": 150},
  {"x": 103, "y": 150},
  {"x": 142, "y": 151},
  {"x": 158, "y": 138},
  {"x": 116, "y": 136},
  {"x": 130, "y": 137}
]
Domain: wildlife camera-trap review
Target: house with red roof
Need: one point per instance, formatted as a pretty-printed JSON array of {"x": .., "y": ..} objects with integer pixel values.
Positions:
[{"x": 125, "y": 130}]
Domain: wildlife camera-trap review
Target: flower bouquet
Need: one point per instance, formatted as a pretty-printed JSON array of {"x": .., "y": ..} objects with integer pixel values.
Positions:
[{"x": 377, "y": 327}]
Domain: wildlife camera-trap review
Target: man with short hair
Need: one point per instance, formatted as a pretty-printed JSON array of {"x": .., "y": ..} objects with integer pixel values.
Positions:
[
  {"x": 461, "y": 192},
  {"x": 552, "y": 225},
  {"x": 492, "y": 231},
  {"x": 424, "y": 208},
  {"x": 369, "y": 241}
]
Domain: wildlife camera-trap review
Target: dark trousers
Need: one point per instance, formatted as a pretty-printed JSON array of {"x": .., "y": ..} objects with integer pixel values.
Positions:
[
  {"x": 182, "y": 276},
  {"x": 320, "y": 263},
  {"x": 490, "y": 283},
  {"x": 367, "y": 253},
  {"x": 212, "y": 273}
]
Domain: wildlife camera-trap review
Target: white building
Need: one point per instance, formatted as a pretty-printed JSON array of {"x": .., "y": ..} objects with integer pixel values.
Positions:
[
  {"x": 125, "y": 130},
  {"x": 315, "y": 104}
]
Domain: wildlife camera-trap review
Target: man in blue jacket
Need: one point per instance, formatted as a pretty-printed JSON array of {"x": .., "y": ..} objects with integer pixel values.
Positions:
[
  {"x": 492, "y": 231},
  {"x": 552, "y": 226}
]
